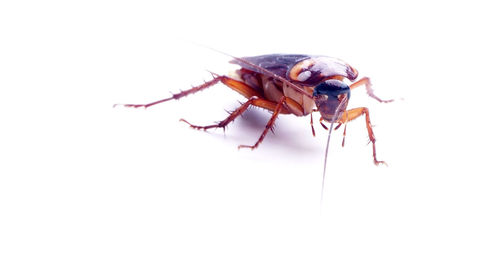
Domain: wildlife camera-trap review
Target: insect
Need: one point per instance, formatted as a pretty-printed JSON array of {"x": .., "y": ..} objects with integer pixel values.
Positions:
[{"x": 290, "y": 84}]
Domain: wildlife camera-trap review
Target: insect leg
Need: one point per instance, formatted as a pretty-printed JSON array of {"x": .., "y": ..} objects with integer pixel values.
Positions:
[
  {"x": 232, "y": 116},
  {"x": 355, "y": 113},
  {"x": 193, "y": 90},
  {"x": 269, "y": 124},
  {"x": 369, "y": 90},
  {"x": 236, "y": 85}
]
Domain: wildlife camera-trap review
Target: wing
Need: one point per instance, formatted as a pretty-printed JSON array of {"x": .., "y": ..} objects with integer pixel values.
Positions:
[
  {"x": 300, "y": 69},
  {"x": 278, "y": 64},
  {"x": 275, "y": 65}
]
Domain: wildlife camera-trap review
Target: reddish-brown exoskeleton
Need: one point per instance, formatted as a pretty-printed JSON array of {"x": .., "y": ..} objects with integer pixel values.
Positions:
[{"x": 290, "y": 84}]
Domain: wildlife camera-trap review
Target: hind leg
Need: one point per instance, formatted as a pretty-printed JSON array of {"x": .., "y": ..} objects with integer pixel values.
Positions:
[{"x": 236, "y": 85}]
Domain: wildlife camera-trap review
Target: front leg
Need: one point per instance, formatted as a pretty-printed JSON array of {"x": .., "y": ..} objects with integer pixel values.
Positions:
[
  {"x": 355, "y": 113},
  {"x": 369, "y": 90}
]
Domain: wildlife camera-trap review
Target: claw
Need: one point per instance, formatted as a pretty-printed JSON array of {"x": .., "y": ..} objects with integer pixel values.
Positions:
[
  {"x": 130, "y": 105},
  {"x": 245, "y": 146},
  {"x": 378, "y": 162},
  {"x": 191, "y": 125}
]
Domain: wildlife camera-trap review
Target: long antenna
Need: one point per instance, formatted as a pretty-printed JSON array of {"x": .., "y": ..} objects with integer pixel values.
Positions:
[{"x": 342, "y": 105}]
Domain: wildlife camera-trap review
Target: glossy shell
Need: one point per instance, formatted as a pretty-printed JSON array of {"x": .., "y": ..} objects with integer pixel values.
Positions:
[{"x": 301, "y": 69}]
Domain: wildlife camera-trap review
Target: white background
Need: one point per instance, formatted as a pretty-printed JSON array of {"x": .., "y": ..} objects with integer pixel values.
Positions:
[{"x": 83, "y": 184}]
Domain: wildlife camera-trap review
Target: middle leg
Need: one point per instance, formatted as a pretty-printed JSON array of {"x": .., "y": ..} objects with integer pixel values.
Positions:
[
  {"x": 269, "y": 124},
  {"x": 255, "y": 101}
]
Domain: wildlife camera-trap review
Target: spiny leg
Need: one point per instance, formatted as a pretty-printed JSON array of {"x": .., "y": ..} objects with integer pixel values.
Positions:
[
  {"x": 232, "y": 116},
  {"x": 232, "y": 83},
  {"x": 269, "y": 124},
  {"x": 254, "y": 99},
  {"x": 355, "y": 113},
  {"x": 369, "y": 90},
  {"x": 193, "y": 90}
]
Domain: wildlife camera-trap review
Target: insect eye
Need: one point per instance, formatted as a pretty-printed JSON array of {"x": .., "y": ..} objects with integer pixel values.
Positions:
[
  {"x": 332, "y": 88},
  {"x": 341, "y": 96}
]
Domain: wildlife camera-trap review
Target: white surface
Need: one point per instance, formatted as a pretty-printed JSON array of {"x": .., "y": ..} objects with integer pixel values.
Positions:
[{"x": 83, "y": 184}]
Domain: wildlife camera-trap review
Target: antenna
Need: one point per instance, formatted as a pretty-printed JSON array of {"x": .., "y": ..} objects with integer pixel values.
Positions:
[{"x": 343, "y": 106}]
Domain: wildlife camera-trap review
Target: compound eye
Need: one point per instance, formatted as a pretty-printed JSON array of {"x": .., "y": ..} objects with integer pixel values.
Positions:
[
  {"x": 332, "y": 88},
  {"x": 341, "y": 96}
]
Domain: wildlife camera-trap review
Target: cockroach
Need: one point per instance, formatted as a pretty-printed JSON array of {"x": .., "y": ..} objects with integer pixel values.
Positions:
[{"x": 291, "y": 84}]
